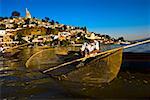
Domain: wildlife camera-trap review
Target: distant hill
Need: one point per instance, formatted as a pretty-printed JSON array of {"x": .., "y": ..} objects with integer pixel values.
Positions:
[{"x": 141, "y": 39}]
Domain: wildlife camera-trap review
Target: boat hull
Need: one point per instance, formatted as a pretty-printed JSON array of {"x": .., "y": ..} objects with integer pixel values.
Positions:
[
  {"x": 100, "y": 69},
  {"x": 95, "y": 73}
]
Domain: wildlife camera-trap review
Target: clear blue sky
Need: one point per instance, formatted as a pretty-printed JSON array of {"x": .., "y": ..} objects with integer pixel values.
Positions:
[{"x": 128, "y": 18}]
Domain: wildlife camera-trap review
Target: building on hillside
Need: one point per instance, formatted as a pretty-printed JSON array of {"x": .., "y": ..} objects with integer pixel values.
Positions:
[
  {"x": 2, "y": 33},
  {"x": 7, "y": 37},
  {"x": 28, "y": 15},
  {"x": 9, "y": 26}
]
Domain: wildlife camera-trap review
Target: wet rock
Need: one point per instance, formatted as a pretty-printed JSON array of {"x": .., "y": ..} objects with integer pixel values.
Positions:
[
  {"x": 128, "y": 72},
  {"x": 52, "y": 96},
  {"x": 125, "y": 80},
  {"x": 132, "y": 77},
  {"x": 130, "y": 81},
  {"x": 99, "y": 85},
  {"x": 145, "y": 81},
  {"x": 31, "y": 95},
  {"x": 84, "y": 84},
  {"x": 91, "y": 84},
  {"x": 119, "y": 77},
  {"x": 83, "y": 89}
]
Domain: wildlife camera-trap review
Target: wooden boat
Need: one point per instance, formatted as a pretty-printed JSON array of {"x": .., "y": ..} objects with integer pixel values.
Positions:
[
  {"x": 80, "y": 75},
  {"x": 100, "y": 69}
]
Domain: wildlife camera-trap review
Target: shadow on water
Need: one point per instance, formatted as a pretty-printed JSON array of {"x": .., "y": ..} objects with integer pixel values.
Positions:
[{"x": 18, "y": 82}]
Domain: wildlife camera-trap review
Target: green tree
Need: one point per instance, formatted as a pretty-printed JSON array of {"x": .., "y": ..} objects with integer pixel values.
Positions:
[
  {"x": 54, "y": 31},
  {"x": 15, "y": 14},
  {"x": 47, "y": 19},
  {"x": 2, "y": 26},
  {"x": 64, "y": 27},
  {"x": 19, "y": 37},
  {"x": 121, "y": 38},
  {"x": 52, "y": 22},
  {"x": 57, "y": 22},
  {"x": 107, "y": 36},
  {"x": 27, "y": 21},
  {"x": 43, "y": 20},
  {"x": 1, "y": 18},
  {"x": 85, "y": 29},
  {"x": 15, "y": 26}
]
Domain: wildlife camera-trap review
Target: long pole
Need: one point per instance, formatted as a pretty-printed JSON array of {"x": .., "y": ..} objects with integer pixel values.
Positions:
[{"x": 138, "y": 43}]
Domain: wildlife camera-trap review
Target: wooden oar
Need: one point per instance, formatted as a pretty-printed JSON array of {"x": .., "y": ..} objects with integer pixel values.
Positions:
[
  {"x": 84, "y": 58},
  {"x": 138, "y": 43}
]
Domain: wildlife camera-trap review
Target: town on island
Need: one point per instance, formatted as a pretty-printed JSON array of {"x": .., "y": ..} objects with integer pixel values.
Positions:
[{"x": 16, "y": 30}]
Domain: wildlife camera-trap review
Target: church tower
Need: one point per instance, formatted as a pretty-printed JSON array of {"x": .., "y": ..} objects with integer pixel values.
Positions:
[{"x": 28, "y": 15}]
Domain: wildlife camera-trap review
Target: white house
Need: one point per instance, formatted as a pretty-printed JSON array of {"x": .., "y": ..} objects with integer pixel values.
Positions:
[
  {"x": 32, "y": 25},
  {"x": 65, "y": 34},
  {"x": 2, "y": 32},
  {"x": 10, "y": 30},
  {"x": 9, "y": 25},
  {"x": 24, "y": 26}
]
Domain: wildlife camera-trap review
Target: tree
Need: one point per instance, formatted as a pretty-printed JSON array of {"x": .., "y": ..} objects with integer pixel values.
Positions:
[
  {"x": 1, "y": 18},
  {"x": 19, "y": 37},
  {"x": 47, "y": 19},
  {"x": 121, "y": 38},
  {"x": 2, "y": 26},
  {"x": 15, "y": 26},
  {"x": 48, "y": 31},
  {"x": 107, "y": 36},
  {"x": 57, "y": 22},
  {"x": 85, "y": 29},
  {"x": 15, "y": 14},
  {"x": 43, "y": 20},
  {"x": 27, "y": 21},
  {"x": 52, "y": 22},
  {"x": 64, "y": 27},
  {"x": 54, "y": 31}
]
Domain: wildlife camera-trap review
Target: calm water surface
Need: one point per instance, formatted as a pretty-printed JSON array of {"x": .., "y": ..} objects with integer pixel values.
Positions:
[{"x": 19, "y": 82}]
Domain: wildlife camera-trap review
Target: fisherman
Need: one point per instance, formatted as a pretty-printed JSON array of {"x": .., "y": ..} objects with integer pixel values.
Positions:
[
  {"x": 54, "y": 40},
  {"x": 90, "y": 48}
]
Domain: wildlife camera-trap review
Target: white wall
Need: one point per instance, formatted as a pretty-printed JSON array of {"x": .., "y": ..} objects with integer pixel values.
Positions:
[{"x": 2, "y": 32}]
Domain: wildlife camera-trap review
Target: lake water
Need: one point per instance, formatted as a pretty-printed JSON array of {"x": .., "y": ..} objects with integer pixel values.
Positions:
[{"x": 19, "y": 82}]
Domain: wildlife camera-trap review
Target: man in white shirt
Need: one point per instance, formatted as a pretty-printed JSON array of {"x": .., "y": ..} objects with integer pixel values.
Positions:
[{"x": 90, "y": 48}]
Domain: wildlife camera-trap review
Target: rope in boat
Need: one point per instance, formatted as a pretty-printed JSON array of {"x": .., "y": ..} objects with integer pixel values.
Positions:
[
  {"x": 82, "y": 59},
  {"x": 27, "y": 63}
]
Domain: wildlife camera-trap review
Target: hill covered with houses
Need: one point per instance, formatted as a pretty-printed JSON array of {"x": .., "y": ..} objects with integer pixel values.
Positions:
[{"x": 16, "y": 29}]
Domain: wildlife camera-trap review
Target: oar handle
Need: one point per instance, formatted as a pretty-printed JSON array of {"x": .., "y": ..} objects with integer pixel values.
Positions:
[{"x": 138, "y": 43}]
